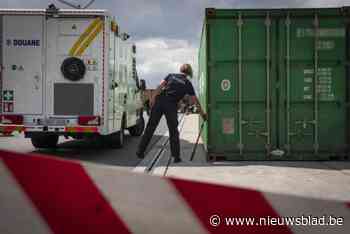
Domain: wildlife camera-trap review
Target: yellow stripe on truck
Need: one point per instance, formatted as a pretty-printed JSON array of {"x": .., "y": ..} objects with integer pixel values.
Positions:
[
  {"x": 89, "y": 39},
  {"x": 81, "y": 129},
  {"x": 83, "y": 36}
]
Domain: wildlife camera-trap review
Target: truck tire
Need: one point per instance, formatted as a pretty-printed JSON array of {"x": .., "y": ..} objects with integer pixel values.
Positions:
[
  {"x": 45, "y": 141},
  {"x": 73, "y": 69},
  {"x": 137, "y": 130}
]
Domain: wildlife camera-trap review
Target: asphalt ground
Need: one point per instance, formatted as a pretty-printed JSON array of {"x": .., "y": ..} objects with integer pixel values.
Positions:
[{"x": 86, "y": 150}]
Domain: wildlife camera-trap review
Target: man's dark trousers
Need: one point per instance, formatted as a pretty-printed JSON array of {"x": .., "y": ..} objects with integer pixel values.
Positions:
[{"x": 168, "y": 106}]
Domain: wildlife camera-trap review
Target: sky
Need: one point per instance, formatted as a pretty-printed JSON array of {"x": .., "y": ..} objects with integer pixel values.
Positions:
[{"x": 167, "y": 32}]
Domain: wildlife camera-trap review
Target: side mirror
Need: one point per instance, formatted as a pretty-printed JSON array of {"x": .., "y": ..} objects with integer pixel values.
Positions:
[
  {"x": 143, "y": 85},
  {"x": 125, "y": 36},
  {"x": 114, "y": 85}
]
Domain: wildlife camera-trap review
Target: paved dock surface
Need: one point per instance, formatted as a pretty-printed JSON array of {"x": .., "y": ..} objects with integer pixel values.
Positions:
[
  {"x": 325, "y": 180},
  {"x": 314, "y": 179}
]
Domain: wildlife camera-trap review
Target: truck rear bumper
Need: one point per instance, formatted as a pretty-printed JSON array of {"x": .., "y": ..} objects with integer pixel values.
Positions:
[
  {"x": 62, "y": 130},
  {"x": 9, "y": 129}
]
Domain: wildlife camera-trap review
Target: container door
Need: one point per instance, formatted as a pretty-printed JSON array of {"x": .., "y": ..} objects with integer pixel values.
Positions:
[
  {"x": 313, "y": 77},
  {"x": 242, "y": 86},
  {"x": 22, "y": 59}
]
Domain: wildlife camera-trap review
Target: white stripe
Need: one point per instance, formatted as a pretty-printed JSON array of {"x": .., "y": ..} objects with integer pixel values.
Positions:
[
  {"x": 17, "y": 212},
  {"x": 147, "y": 204},
  {"x": 287, "y": 206}
]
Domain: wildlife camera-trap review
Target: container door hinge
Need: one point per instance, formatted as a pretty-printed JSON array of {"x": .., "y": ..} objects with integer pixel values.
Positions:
[
  {"x": 287, "y": 147},
  {"x": 278, "y": 85},
  {"x": 211, "y": 64},
  {"x": 316, "y": 147},
  {"x": 244, "y": 122},
  {"x": 240, "y": 146},
  {"x": 240, "y": 21}
]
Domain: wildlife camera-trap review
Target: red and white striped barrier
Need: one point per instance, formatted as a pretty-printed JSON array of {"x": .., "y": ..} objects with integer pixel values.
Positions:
[{"x": 41, "y": 194}]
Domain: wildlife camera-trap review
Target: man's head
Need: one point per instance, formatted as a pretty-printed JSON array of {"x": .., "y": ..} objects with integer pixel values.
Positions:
[{"x": 186, "y": 69}]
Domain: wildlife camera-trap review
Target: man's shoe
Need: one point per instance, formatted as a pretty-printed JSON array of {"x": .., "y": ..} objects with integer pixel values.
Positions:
[
  {"x": 140, "y": 155},
  {"x": 177, "y": 160}
]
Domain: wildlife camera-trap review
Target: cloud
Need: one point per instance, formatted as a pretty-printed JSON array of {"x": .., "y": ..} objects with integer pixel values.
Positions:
[
  {"x": 324, "y": 3},
  {"x": 24, "y": 4},
  {"x": 283, "y": 3},
  {"x": 167, "y": 32},
  {"x": 159, "y": 56}
]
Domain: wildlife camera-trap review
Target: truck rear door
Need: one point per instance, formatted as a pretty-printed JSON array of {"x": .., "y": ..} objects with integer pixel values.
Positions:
[
  {"x": 22, "y": 73},
  {"x": 79, "y": 38}
]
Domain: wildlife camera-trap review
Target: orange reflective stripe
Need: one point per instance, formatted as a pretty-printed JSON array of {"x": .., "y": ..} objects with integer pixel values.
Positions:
[{"x": 81, "y": 129}]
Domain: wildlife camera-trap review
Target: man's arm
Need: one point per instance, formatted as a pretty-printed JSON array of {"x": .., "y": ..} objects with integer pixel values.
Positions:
[
  {"x": 196, "y": 102},
  {"x": 156, "y": 92}
]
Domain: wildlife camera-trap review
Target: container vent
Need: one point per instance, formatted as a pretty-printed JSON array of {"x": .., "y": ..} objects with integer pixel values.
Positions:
[{"x": 73, "y": 99}]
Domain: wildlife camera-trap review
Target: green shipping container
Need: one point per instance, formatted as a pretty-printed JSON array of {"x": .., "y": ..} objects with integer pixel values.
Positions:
[{"x": 275, "y": 83}]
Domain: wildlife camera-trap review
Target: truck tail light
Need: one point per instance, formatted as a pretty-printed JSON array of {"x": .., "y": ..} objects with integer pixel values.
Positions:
[
  {"x": 12, "y": 119},
  {"x": 89, "y": 120}
]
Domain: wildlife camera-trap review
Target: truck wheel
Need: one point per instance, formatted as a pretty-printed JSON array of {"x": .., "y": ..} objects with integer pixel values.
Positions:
[
  {"x": 73, "y": 69},
  {"x": 137, "y": 130},
  {"x": 45, "y": 141}
]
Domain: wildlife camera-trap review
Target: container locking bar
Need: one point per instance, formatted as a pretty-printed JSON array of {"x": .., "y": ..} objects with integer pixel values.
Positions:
[
  {"x": 316, "y": 28},
  {"x": 240, "y": 24},
  {"x": 268, "y": 93},
  {"x": 288, "y": 23}
]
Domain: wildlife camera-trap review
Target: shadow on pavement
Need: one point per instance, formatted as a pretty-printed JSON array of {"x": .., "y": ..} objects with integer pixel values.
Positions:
[
  {"x": 200, "y": 161},
  {"x": 93, "y": 151}
]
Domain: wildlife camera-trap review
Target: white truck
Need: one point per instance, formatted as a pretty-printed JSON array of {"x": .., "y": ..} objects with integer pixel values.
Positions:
[{"x": 67, "y": 73}]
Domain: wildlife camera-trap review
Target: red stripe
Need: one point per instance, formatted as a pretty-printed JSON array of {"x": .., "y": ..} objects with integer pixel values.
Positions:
[
  {"x": 207, "y": 200},
  {"x": 64, "y": 194},
  {"x": 11, "y": 128}
]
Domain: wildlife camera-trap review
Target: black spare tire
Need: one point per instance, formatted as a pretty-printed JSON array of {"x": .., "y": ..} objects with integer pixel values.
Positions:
[{"x": 73, "y": 69}]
